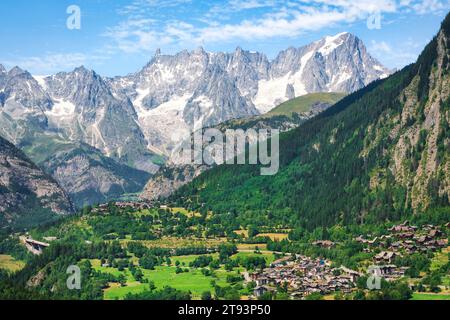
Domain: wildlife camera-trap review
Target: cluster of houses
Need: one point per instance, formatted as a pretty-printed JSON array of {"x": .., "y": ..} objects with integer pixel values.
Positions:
[
  {"x": 302, "y": 275},
  {"x": 403, "y": 239},
  {"x": 389, "y": 272},
  {"x": 324, "y": 243},
  {"x": 134, "y": 205}
]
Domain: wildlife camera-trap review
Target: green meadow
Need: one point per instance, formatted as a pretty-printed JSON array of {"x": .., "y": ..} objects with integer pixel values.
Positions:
[
  {"x": 7, "y": 262},
  {"x": 194, "y": 280},
  {"x": 430, "y": 296}
]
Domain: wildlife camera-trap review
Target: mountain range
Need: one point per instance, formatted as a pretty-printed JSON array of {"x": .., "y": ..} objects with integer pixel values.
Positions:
[
  {"x": 104, "y": 137},
  {"x": 379, "y": 154}
]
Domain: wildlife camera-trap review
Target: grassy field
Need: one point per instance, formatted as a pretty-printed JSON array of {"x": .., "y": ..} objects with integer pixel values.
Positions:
[
  {"x": 267, "y": 255},
  {"x": 304, "y": 103},
  {"x": 242, "y": 232},
  {"x": 251, "y": 246},
  {"x": 274, "y": 236},
  {"x": 278, "y": 236},
  {"x": 185, "y": 212},
  {"x": 193, "y": 281},
  {"x": 145, "y": 212},
  {"x": 174, "y": 242},
  {"x": 185, "y": 260},
  {"x": 9, "y": 263},
  {"x": 440, "y": 259},
  {"x": 430, "y": 296}
]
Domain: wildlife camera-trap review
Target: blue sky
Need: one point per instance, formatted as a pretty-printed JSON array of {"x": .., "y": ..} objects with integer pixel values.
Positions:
[{"x": 119, "y": 37}]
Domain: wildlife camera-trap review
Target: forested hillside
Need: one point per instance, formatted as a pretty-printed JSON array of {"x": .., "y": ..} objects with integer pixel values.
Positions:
[
  {"x": 286, "y": 116},
  {"x": 379, "y": 154}
]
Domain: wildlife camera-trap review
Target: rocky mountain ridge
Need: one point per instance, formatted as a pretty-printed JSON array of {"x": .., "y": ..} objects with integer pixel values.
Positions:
[
  {"x": 138, "y": 120},
  {"x": 27, "y": 194}
]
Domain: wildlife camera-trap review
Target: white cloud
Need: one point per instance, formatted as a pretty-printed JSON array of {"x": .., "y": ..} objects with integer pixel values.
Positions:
[
  {"x": 279, "y": 19},
  {"x": 270, "y": 26},
  {"x": 427, "y": 6}
]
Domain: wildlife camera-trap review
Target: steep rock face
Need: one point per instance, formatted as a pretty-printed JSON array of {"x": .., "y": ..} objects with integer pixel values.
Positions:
[
  {"x": 217, "y": 89},
  {"x": 247, "y": 68},
  {"x": 421, "y": 154},
  {"x": 93, "y": 115},
  {"x": 90, "y": 177},
  {"x": 174, "y": 95},
  {"x": 51, "y": 117},
  {"x": 27, "y": 195},
  {"x": 152, "y": 110},
  {"x": 22, "y": 105},
  {"x": 337, "y": 63},
  {"x": 19, "y": 88},
  {"x": 169, "y": 179}
]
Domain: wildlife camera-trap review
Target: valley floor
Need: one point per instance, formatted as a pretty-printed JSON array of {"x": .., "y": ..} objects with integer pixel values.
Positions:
[{"x": 170, "y": 253}]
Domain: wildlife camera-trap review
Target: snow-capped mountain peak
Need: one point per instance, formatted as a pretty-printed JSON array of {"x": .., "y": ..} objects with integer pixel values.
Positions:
[
  {"x": 22, "y": 94},
  {"x": 105, "y": 127},
  {"x": 330, "y": 43},
  {"x": 174, "y": 94},
  {"x": 338, "y": 63}
]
